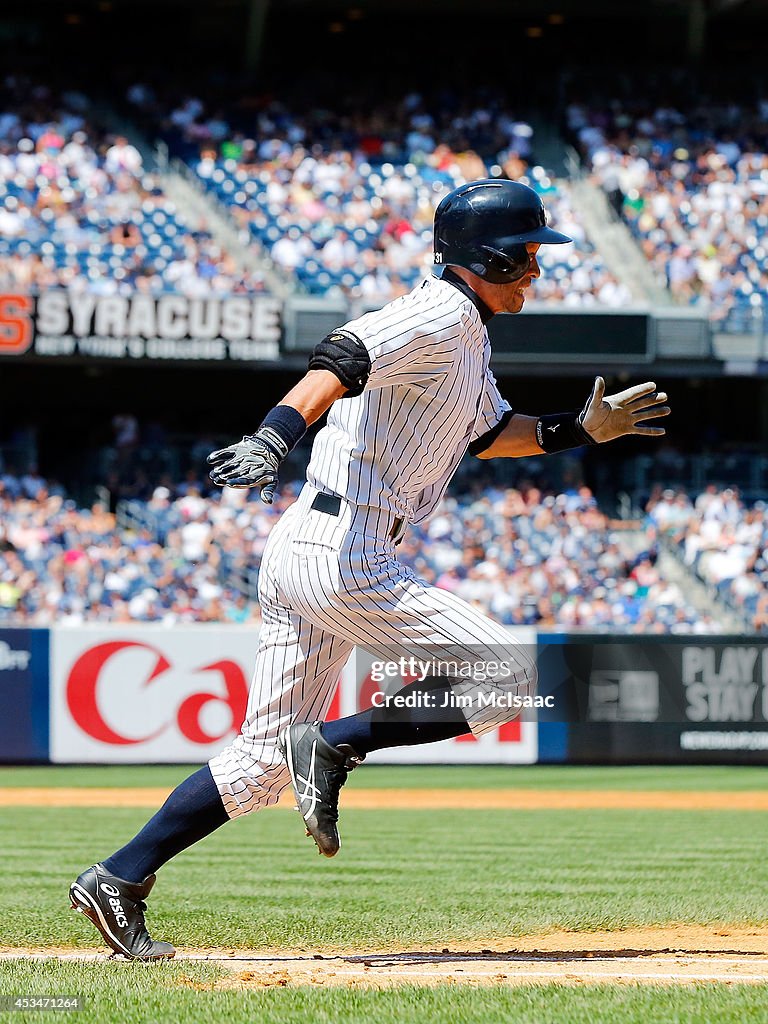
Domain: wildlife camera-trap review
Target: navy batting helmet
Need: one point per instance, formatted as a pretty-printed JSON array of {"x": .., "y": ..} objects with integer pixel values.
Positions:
[{"x": 484, "y": 226}]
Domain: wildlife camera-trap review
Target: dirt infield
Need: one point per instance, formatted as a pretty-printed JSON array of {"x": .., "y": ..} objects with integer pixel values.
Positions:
[
  {"x": 673, "y": 956},
  {"x": 426, "y": 799}
]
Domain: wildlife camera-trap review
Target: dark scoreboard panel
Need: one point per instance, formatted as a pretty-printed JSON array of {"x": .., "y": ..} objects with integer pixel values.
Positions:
[{"x": 570, "y": 337}]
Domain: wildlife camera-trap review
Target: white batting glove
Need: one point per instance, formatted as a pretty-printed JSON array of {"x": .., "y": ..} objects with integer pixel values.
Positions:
[{"x": 606, "y": 417}]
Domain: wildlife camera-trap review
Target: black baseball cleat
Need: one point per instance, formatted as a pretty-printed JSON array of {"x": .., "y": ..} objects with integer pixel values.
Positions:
[
  {"x": 116, "y": 908},
  {"x": 318, "y": 771}
]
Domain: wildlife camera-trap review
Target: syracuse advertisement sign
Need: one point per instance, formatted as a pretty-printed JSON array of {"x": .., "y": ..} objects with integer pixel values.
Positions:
[{"x": 58, "y": 323}]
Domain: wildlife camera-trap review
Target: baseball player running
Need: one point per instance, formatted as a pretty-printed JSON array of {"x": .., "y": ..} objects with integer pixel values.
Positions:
[{"x": 408, "y": 391}]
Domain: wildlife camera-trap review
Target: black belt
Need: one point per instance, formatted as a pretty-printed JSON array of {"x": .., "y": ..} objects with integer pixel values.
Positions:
[{"x": 331, "y": 504}]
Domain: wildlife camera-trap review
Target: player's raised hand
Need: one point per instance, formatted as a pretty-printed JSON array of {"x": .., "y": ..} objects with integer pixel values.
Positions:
[
  {"x": 252, "y": 462},
  {"x": 606, "y": 417}
]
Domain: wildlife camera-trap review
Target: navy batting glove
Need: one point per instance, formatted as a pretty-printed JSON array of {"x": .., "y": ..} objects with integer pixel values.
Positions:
[{"x": 252, "y": 462}]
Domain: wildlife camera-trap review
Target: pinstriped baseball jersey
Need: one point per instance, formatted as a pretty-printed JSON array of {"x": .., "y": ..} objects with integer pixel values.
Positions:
[
  {"x": 329, "y": 578},
  {"x": 429, "y": 395}
]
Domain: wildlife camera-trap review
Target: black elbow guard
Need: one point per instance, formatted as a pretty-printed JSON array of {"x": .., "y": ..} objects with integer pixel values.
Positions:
[{"x": 346, "y": 357}]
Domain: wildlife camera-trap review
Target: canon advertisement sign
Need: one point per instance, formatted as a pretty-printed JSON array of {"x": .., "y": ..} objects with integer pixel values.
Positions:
[{"x": 147, "y": 694}]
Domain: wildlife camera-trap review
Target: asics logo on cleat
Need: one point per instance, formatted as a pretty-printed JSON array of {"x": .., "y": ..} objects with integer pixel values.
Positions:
[
  {"x": 117, "y": 908},
  {"x": 310, "y": 791}
]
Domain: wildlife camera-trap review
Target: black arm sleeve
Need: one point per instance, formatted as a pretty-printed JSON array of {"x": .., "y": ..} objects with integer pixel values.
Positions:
[
  {"x": 482, "y": 443},
  {"x": 347, "y": 357}
]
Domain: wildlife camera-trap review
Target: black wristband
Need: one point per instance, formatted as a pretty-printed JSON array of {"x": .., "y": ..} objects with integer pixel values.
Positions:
[
  {"x": 289, "y": 426},
  {"x": 560, "y": 431}
]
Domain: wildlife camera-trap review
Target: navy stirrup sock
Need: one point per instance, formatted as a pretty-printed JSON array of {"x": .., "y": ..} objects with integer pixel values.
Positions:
[
  {"x": 193, "y": 810},
  {"x": 377, "y": 728}
]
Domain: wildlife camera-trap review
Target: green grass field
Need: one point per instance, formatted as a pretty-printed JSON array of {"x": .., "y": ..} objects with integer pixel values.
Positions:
[
  {"x": 693, "y": 777},
  {"x": 404, "y": 878},
  {"x": 135, "y": 994}
]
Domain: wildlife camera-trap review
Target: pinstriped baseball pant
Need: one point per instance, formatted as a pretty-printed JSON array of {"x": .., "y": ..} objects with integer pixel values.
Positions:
[{"x": 327, "y": 584}]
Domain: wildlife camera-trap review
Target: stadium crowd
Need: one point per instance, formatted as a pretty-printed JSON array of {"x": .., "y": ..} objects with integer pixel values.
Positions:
[
  {"x": 341, "y": 202},
  {"x": 192, "y": 555},
  {"x": 78, "y": 210},
  {"x": 724, "y": 540},
  {"x": 691, "y": 181},
  {"x": 549, "y": 560},
  {"x": 61, "y": 563},
  {"x": 342, "y": 199}
]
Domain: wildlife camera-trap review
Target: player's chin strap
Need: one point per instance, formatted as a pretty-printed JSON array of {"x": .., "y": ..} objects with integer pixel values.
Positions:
[{"x": 450, "y": 276}]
